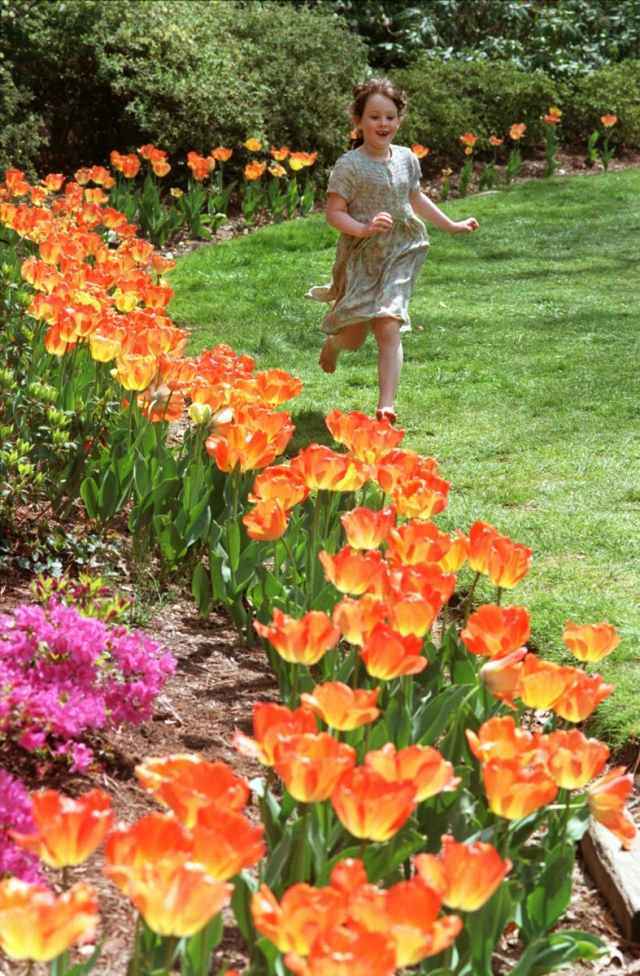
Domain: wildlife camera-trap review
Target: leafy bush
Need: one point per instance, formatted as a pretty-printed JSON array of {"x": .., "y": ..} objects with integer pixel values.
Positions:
[{"x": 614, "y": 89}]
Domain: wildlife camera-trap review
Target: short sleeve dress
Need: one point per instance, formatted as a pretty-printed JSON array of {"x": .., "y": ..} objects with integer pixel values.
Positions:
[{"x": 373, "y": 277}]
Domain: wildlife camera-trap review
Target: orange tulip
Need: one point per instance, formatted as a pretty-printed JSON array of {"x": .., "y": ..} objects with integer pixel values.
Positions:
[
  {"x": 276, "y": 386},
  {"x": 351, "y": 571},
  {"x": 369, "y": 440},
  {"x": 411, "y": 908},
  {"x": 254, "y": 170},
  {"x": 277, "y": 170},
  {"x": 421, "y": 497},
  {"x": 426, "y": 580},
  {"x": 348, "y": 875},
  {"x": 53, "y": 182},
  {"x": 370, "y": 807},
  {"x": 502, "y": 675},
  {"x": 253, "y": 145},
  {"x": 414, "y": 613},
  {"x": 495, "y": 140},
  {"x": 282, "y": 484},
  {"x": 251, "y": 444},
  {"x": 323, "y": 469},
  {"x": 517, "y": 130},
  {"x": 160, "y": 167},
  {"x": 272, "y": 722},
  {"x": 387, "y": 654},
  {"x": 355, "y": 619},
  {"x": 590, "y": 642},
  {"x": 222, "y": 154},
  {"x": 225, "y": 842},
  {"x": 607, "y": 797},
  {"x": 346, "y": 952},
  {"x": 311, "y": 765},
  {"x": 420, "y": 151},
  {"x": 200, "y": 166},
  {"x": 152, "y": 863},
  {"x": 135, "y": 372},
  {"x": 608, "y": 120},
  {"x": 38, "y": 925},
  {"x": 574, "y": 759},
  {"x": 67, "y": 831},
  {"x": 420, "y": 765},
  {"x": 266, "y": 521},
  {"x": 418, "y": 542},
  {"x": 280, "y": 154},
  {"x": 367, "y": 529},
  {"x": 465, "y": 875},
  {"x": 302, "y": 641},
  {"x": 186, "y": 784},
  {"x": 397, "y": 467},
  {"x": 303, "y": 915},
  {"x": 481, "y": 538},
  {"x": 515, "y": 789},
  {"x": 494, "y": 631},
  {"x": 456, "y": 555},
  {"x": 553, "y": 116},
  {"x": 542, "y": 683},
  {"x": 582, "y": 696},
  {"x": 468, "y": 139},
  {"x": 501, "y": 739},
  {"x": 508, "y": 562},
  {"x": 340, "y": 707}
]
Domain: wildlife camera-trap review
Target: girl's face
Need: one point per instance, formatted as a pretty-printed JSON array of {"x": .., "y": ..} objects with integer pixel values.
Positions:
[{"x": 379, "y": 123}]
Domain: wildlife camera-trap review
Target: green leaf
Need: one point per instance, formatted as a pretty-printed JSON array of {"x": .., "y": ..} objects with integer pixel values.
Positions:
[
  {"x": 381, "y": 860},
  {"x": 201, "y": 588},
  {"x": 432, "y": 719},
  {"x": 243, "y": 889},
  {"x": 199, "y": 947},
  {"x": 276, "y": 862},
  {"x": 86, "y": 967},
  {"x": 548, "y": 900},
  {"x": 233, "y": 543},
  {"x": 484, "y": 927},
  {"x": 90, "y": 497},
  {"x": 108, "y": 496},
  {"x": 552, "y": 951},
  {"x": 198, "y": 524}
]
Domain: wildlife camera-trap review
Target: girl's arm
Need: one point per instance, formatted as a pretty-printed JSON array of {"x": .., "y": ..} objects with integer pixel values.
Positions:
[
  {"x": 338, "y": 216},
  {"x": 424, "y": 207}
]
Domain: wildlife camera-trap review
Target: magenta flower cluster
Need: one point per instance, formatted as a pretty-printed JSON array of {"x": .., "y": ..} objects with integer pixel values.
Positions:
[
  {"x": 15, "y": 814},
  {"x": 63, "y": 675}
]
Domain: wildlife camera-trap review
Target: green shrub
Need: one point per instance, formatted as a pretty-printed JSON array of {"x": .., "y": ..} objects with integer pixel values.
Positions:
[
  {"x": 614, "y": 89},
  {"x": 22, "y": 132}
]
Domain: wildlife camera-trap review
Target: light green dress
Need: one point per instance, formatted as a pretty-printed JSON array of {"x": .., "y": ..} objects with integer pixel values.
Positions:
[{"x": 373, "y": 277}]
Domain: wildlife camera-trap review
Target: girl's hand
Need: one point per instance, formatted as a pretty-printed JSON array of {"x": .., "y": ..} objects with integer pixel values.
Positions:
[
  {"x": 465, "y": 226},
  {"x": 380, "y": 224}
]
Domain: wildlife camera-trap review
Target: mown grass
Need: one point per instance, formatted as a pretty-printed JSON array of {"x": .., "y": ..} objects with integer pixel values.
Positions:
[{"x": 521, "y": 377}]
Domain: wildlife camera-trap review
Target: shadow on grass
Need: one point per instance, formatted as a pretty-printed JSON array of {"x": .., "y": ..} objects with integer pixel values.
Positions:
[{"x": 310, "y": 429}]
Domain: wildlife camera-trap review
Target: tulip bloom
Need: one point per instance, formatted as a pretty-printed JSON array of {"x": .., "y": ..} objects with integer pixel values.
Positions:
[
  {"x": 38, "y": 925},
  {"x": 311, "y": 765},
  {"x": 607, "y": 797},
  {"x": 421, "y": 497},
  {"x": 323, "y": 469},
  {"x": 186, "y": 784},
  {"x": 348, "y": 875},
  {"x": 466, "y": 875},
  {"x": 355, "y": 619},
  {"x": 367, "y": 529},
  {"x": 514, "y": 789},
  {"x": 370, "y": 807},
  {"x": 420, "y": 151},
  {"x": 481, "y": 538},
  {"x": 574, "y": 759},
  {"x": 418, "y": 542},
  {"x": 456, "y": 555},
  {"x": 542, "y": 683},
  {"x": 608, "y": 120},
  {"x": 340, "y": 707},
  {"x": 302, "y": 641},
  {"x": 281, "y": 484},
  {"x": 582, "y": 696},
  {"x": 508, "y": 562},
  {"x": 499, "y": 738},
  {"x": 423, "y": 766},
  {"x": 501, "y": 676},
  {"x": 590, "y": 642},
  {"x": 303, "y": 915},
  {"x": 368, "y": 440},
  {"x": 517, "y": 130},
  {"x": 347, "y": 952},
  {"x": 254, "y": 170},
  {"x": 387, "y": 654},
  {"x": 225, "y": 842},
  {"x": 351, "y": 571},
  {"x": 494, "y": 631},
  {"x": 414, "y": 613},
  {"x": 68, "y": 831},
  {"x": 153, "y": 864},
  {"x": 266, "y": 521},
  {"x": 412, "y": 907},
  {"x": 398, "y": 467},
  {"x": 272, "y": 722}
]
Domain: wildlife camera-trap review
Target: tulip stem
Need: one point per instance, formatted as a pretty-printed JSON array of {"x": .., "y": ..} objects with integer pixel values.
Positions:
[
  {"x": 498, "y": 595},
  {"x": 469, "y": 598}
]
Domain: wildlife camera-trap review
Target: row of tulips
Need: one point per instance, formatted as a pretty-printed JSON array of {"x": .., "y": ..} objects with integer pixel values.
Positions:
[{"x": 403, "y": 773}]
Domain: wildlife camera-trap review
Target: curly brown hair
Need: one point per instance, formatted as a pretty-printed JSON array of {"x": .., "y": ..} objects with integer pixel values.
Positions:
[{"x": 376, "y": 86}]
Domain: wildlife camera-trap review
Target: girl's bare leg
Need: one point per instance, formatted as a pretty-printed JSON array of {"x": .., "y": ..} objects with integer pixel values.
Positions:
[
  {"x": 350, "y": 337},
  {"x": 390, "y": 356}
]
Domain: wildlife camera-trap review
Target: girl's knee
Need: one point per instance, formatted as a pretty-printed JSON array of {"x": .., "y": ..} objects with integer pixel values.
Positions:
[
  {"x": 387, "y": 331},
  {"x": 352, "y": 337}
]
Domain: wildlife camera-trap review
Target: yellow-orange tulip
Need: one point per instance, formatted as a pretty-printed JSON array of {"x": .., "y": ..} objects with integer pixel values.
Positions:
[
  {"x": 311, "y": 765},
  {"x": 344, "y": 951},
  {"x": 608, "y": 120},
  {"x": 303, "y": 915},
  {"x": 411, "y": 908},
  {"x": 186, "y": 784},
  {"x": 370, "y": 807},
  {"x": 515, "y": 789},
  {"x": 253, "y": 144},
  {"x": 481, "y": 538},
  {"x": 607, "y": 798},
  {"x": 590, "y": 642},
  {"x": 351, "y": 571},
  {"x": 501, "y": 675},
  {"x": 152, "y": 863},
  {"x": 508, "y": 562},
  {"x": 355, "y": 619},
  {"x": 323, "y": 469},
  {"x": 418, "y": 542},
  {"x": 582, "y": 696},
  {"x": 340, "y": 707},
  {"x": 423, "y": 766},
  {"x": 254, "y": 170},
  {"x": 420, "y": 151},
  {"x": 499, "y": 738},
  {"x": 468, "y": 139},
  {"x": 421, "y": 497},
  {"x": 456, "y": 555},
  {"x": 302, "y": 641},
  {"x": 348, "y": 875},
  {"x": 574, "y": 759},
  {"x": 542, "y": 683},
  {"x": 367, "y": 529},
  {"x": 281, "y": 484},
  {"x": 38, "y": 925},
  {"x": 466, "y": 875},
  {"x": 68, "y": 830},
  {"x": 369, "y": 440},
  {"x": 413, "y": 613},
  {"x": 225, "y": 842},
  {"x": 387, "y": 654},
  {"x": 517, "y": 130},
  {"x": 494, "y": 631},
  {"x": 266, "y": 521},
  {"x": 272, "y": 722},
  {"x": 222, "y": 154},
  {"x": 397, "y": 467}
]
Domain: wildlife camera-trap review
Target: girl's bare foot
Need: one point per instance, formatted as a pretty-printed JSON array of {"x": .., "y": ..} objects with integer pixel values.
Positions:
[{"x": 328, "y": 356}]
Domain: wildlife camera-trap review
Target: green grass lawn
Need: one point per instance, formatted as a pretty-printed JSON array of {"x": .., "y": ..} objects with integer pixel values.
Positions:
[{"x": 521, "y": 377}]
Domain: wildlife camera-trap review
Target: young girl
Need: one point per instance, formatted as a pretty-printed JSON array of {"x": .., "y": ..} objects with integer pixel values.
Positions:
[{"x": 374, "y": 200}]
